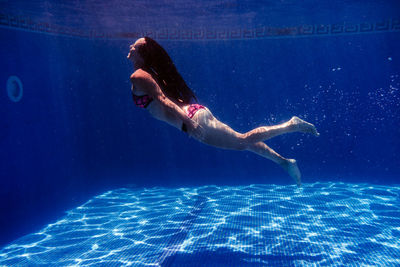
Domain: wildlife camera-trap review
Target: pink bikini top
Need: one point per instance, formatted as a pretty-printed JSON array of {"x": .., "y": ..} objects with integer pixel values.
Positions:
[{"x": 142, "y": 101}]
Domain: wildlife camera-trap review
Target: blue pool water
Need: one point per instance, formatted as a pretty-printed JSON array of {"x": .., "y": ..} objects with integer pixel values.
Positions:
[
  {"x": 339, "y": 224},
  {"x": 87, "y": 178}
]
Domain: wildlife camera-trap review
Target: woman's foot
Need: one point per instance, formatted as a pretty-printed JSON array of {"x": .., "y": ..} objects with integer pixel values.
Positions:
[
  {"x": 303, "y": 126},
  {"x": 290, "y": 165}
]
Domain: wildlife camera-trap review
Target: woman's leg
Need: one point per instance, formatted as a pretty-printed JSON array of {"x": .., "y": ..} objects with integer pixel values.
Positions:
[
  {"x": 221, "y": 135},
  {"x": 289, "y": 165},
  {"x": 225, "y": 137},
  {"x": 295, "y": 124}
]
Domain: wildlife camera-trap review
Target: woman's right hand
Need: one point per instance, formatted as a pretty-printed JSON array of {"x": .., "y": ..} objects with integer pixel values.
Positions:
[{"x": 195, "y": 130}]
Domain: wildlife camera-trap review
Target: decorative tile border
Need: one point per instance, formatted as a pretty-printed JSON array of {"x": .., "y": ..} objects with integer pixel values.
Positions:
[{"x": 26, "y": 23}]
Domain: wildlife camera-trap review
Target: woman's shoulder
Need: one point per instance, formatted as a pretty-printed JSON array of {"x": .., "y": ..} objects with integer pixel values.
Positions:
[
  {"x": 140, "y": 74},
  {"x": 142, "y": 81}
]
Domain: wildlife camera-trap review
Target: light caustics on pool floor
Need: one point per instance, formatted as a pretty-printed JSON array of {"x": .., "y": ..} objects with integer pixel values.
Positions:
[{"x": 321, "y": 224}]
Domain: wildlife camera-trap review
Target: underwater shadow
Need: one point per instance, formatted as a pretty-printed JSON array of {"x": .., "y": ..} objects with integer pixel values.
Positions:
[{"x": 176, "y": 240}]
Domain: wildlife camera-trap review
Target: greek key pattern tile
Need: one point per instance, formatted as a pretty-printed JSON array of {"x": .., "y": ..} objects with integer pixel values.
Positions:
[{"x": 26, "y": 23}]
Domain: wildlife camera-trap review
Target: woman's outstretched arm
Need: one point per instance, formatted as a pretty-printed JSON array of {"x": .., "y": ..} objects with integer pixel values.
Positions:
[{"x": 144, "y": 82}]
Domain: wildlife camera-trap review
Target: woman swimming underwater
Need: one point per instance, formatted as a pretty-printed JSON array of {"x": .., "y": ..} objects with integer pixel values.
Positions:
[{"x": 158, "y": 87}]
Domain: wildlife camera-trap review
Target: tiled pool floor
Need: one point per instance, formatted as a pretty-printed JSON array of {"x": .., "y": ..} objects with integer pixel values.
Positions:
[{"x": 257, "y": 225}]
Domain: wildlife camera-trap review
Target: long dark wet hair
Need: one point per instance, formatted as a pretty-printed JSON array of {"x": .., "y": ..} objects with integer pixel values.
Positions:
[{"x": 158, "y": 63}]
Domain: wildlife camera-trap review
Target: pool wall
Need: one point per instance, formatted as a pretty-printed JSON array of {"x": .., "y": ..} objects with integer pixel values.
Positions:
[{"x": 75, "y": 132}]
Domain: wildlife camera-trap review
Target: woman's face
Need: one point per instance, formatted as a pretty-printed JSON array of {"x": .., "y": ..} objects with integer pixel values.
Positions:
[{"x": 134, "y": 55}]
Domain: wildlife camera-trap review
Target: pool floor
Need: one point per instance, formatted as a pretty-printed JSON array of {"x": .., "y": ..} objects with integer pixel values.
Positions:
[{"x": 336, "y": 224}]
